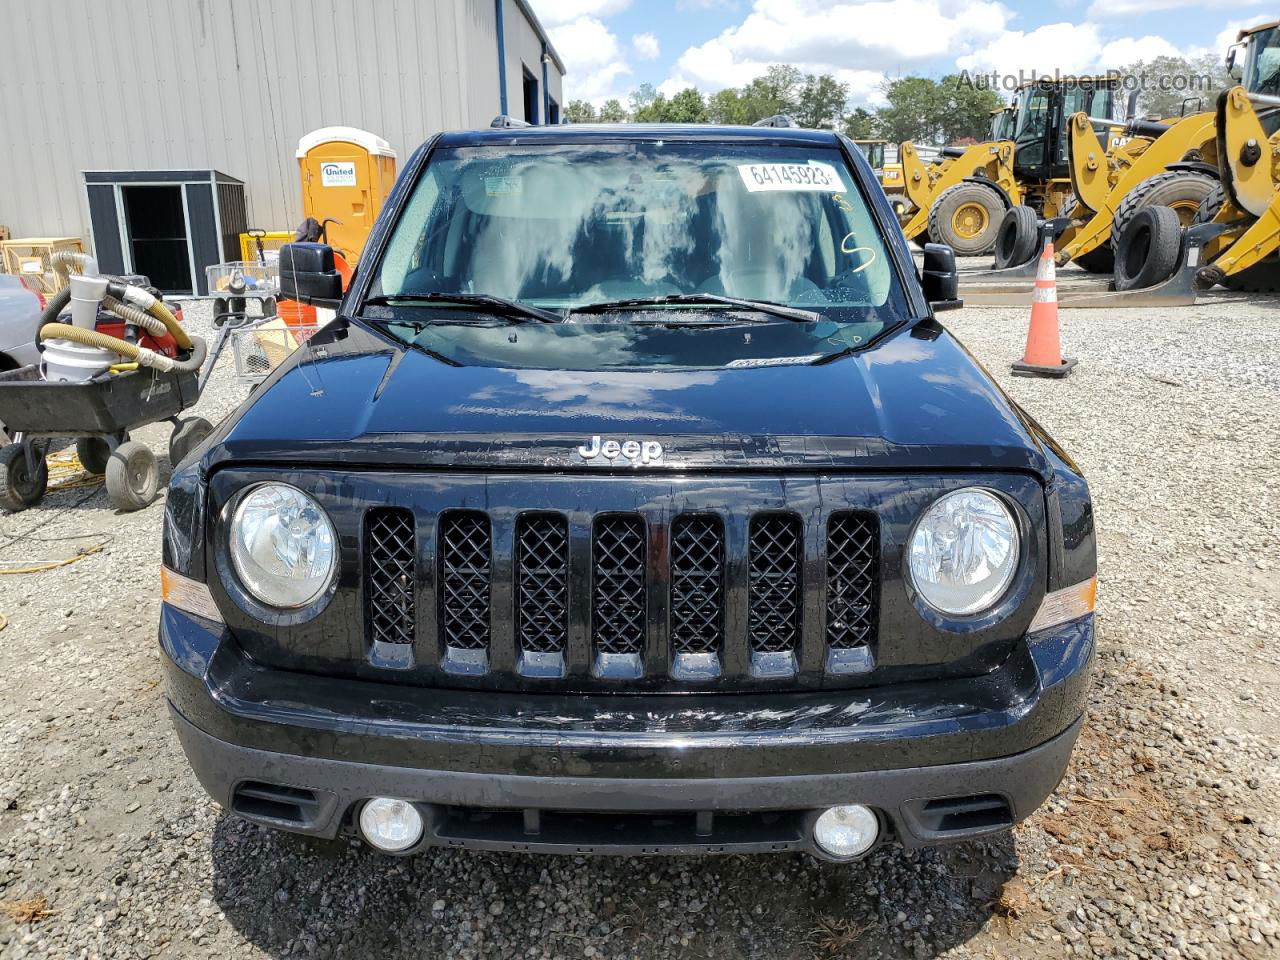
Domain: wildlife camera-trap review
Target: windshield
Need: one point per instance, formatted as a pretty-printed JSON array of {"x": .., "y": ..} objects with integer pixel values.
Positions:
[
  {"x": 1002, "y": 124},
  {"x": 1263, "y": 71},
  {"x": 569, "y": 227},
  {"x": 874, "y": 152}
]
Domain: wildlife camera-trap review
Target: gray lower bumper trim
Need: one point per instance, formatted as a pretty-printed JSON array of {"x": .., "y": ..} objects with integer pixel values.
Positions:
[{"x": 1024, "y": 780}]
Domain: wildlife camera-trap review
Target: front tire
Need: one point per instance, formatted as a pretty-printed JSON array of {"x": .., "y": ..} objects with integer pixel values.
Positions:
[
  {"x": 188, "y": 435},
  {"x": 93, "y": 454},
  {"x": 967, "y": 218},
  {"x": 1182, "y": 191},
  {"x": 1148, "y": 250},
  {"x": 133, "y": 476},
  {"x": 19, "y": 486},
  {"x": 1016, "y": 238}
]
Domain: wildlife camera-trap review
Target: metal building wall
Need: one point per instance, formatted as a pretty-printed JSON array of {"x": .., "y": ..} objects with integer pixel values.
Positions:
[{"x": 225, "y": 84}]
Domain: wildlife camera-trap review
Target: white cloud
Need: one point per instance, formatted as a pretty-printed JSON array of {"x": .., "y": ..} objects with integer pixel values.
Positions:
[
  {"x": 1127, "y": 50},
  {"x": 1230, "y": 31},
  {"x": 646, "y": 46},
  {"x": 593, "y": 58},
  {"x": 553, "y": 13},
  {"x": 822, "y": 37},
  {"x": 1113, "y": 9},
  {"x": 1064, "y": 48}
]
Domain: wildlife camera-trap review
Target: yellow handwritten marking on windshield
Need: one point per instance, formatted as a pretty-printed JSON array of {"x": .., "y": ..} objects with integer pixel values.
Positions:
[
  {"x": 843, "y": 203},
  {"x": 870, "y": 253}
]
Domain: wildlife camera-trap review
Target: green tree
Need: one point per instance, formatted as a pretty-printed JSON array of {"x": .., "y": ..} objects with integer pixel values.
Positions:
[
  {"x": 687, "y": 106},
  {"x": 935, "y": 111},
  {"x": 642, "y": 97},
  {"x": 914, "y": 104},
  {"x": 966, "y": 109},
  {"x": 727, "y": 106},
  {"x": 654, "y": 111},
  {"x": 580, "y": 111},
  {"x": 821, "y": 103},
  {"x": 613, "y": 112},
  {"x": 777, "y": 91},
  {"x": 1166, "y": 82},
  {"x": 861, "y": 124}
]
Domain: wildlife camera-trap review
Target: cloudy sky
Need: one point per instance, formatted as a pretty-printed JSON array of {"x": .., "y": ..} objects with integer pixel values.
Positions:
[{"x": 612, "y": 46}]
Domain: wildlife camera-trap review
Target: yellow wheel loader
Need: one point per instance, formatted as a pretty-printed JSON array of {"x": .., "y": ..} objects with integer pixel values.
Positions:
[
  {"x": 1239, "y": 219},
  {"x": 963, "y": 200},
  {"x": 1244, "y": 253},
  {"x": 889, "y": 174},
  {"x": 1145, "y": 163}
]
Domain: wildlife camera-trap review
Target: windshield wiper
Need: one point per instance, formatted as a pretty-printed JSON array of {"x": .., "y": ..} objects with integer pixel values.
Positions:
[
  {"x": 498, "y": 306},
  {"x": 692, "y": 299}
]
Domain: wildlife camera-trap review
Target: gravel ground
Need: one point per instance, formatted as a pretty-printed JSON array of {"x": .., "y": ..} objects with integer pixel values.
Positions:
[{"x": 1161, "y": 842}]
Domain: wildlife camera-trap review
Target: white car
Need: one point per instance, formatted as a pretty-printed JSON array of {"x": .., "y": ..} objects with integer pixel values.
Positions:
[
  {"x": 20, "y": 310},
  {"x": 19, "y": 323}
]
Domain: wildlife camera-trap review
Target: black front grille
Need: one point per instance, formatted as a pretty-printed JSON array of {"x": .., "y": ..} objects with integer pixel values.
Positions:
[
  {"x": 465, "y": 580},
  {"x": 852, "y": 579},
  {"x": 618, "y": 598},
  {"x": 542, "y": 576},
  {"x": 389, "y": 575},
  {"x": 773, "y": 579},
  {"x": 697, "y": 584},
  {"x": 694, "y": 598}
]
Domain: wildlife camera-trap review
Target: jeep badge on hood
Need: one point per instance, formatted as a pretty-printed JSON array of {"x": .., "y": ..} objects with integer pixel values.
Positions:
[{"x": 637, "y": 451}]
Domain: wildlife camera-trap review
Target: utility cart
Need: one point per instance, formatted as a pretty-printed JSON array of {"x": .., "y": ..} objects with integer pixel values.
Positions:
[{"x": 100, "y": 414}]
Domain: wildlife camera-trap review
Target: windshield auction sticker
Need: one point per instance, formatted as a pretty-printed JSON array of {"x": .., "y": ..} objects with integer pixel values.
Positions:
[{"x": 762, "y": 177}]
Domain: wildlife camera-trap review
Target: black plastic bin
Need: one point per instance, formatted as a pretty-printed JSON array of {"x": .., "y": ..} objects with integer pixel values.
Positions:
[{"x": 109, "y": 405}]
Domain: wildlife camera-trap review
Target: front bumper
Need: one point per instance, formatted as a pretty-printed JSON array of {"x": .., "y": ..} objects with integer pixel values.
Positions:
[{"x": 939, "y": 761}]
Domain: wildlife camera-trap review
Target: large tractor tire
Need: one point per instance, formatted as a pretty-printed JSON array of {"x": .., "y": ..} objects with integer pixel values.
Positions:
[
  {"x": 967, "y": 218},
  {"x": 1180, "y": 190},
  {"x": 1100, "y": 259},
  {"x": 1148, "y": 250},
  {"x": 1263, "y": 277},
  {"x": 1017, "y": 237}
]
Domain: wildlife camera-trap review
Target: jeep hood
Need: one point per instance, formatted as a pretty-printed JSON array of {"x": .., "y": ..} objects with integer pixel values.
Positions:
[{"x": 916, "y": 400}]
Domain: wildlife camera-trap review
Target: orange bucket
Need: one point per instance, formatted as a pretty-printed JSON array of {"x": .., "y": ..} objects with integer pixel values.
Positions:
[{"x": 296, "y": 315}]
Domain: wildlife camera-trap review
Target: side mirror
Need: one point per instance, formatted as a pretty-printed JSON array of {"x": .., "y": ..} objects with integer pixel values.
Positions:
[
  {"x": 940, "y": 279},
  {"x": 307, "y": 274},
  {"x": 1231, "y": 62}
]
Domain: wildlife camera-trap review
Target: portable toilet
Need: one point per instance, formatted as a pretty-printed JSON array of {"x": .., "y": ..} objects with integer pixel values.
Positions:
[{"x": 346, "y": 176}]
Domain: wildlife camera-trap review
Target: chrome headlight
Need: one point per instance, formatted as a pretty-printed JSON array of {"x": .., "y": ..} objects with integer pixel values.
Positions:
[
  {"x": 963, "y": 552},
  {"x": 282, "y": 545}
]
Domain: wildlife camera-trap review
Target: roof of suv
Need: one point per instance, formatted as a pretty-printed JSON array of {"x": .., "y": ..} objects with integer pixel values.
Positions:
[{"x": 563, "y": 133}]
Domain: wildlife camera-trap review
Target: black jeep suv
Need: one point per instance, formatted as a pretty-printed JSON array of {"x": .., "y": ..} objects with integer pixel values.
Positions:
[{"x": 634, "y": 502}]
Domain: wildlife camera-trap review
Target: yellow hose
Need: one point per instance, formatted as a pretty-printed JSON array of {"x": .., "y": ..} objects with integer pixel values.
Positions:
[
  {"x": 165, "y": 316},
  {"x": 89, "y": 338},
  {"x": 131, "y": 314},
  {"x": 130, "y": 351}
]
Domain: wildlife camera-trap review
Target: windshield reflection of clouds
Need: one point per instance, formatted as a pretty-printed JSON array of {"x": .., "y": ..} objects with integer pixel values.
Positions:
[
  {"x": 570, "y": 225},
  {"x": 647, "y": 223}
]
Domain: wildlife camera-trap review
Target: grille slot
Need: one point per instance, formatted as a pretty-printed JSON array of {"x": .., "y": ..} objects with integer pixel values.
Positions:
[
  {"x": 697, "y": 584},
  {"x": 776, "y": 555},
  {"x": 852, "y": 576},
  {"x": 618, "y": 582},
  {"x": 542, "y": 575},
  {"x": 465, "y": 580},
  {"x": 390, "y": 574}
]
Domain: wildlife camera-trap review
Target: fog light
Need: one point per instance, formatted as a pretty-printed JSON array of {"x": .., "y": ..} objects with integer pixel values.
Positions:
[
  {"x": 846, "y": 831},
  {"x": 390, "y": 825}
]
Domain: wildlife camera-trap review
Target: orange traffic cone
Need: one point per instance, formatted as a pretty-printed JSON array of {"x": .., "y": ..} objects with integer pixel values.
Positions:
[{"x": 1043, "y": 356}]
